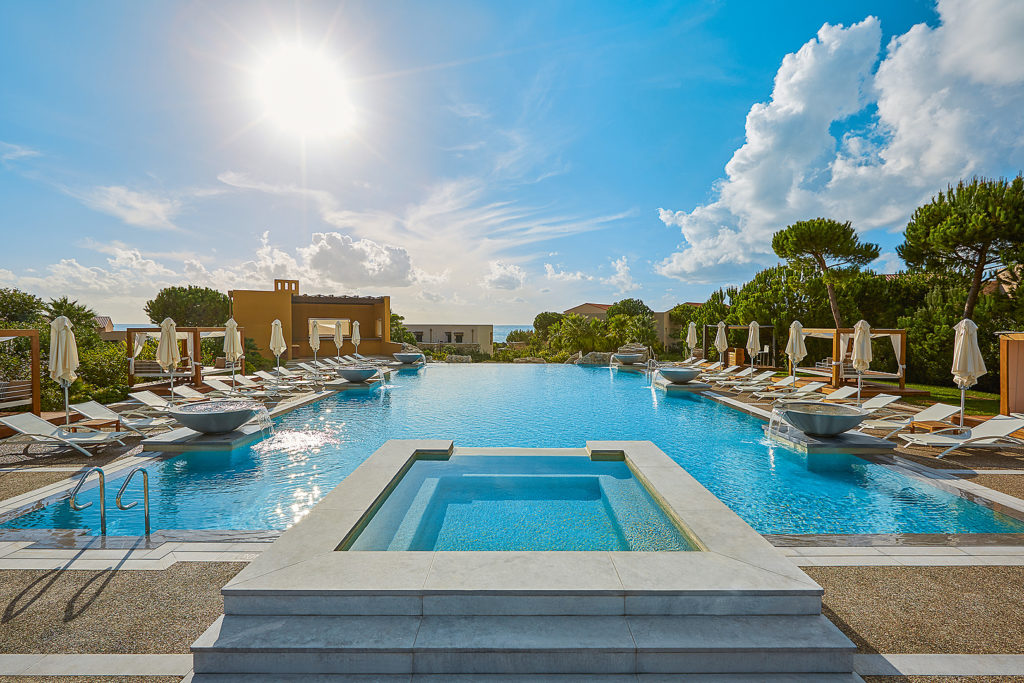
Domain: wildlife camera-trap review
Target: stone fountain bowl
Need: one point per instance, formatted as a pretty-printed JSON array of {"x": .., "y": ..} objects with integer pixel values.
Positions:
[
  {"x": 408, "y": 358},
  {"x": 679, "y": 375},
  {"x": 628, "y": 358},
  {"x": 356, "y": 375},
  {"x": 215, "y": 417},
  {"x": 821, "y": 419}
]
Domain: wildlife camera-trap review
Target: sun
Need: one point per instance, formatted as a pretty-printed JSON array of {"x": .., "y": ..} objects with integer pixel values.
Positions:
[{"x": 302, "y": 92}]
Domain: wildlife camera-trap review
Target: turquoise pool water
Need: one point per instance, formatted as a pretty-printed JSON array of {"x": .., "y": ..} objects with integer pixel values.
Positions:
[
  {"x": 273, "y": 483},
  {"x": 519, "y": 503}
]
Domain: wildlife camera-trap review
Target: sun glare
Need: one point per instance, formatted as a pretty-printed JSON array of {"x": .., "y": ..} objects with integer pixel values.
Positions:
[{"x": 303, "y": 93}]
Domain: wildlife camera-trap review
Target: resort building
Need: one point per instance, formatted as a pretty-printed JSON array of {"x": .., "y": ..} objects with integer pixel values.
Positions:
[
  {"x": 599, "y": 311},
  {"x": 256, "y": 310},
  {"x": 463, "y": 337}
]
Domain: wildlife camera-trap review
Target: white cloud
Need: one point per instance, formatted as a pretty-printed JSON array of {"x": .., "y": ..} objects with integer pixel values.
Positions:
[
  {"x": 141, "y": 209},
  {"x": 622, "y": 279},
  {"x": 888, "y": 262},
  {"x": 12, "y": 152},
  {"x": 504, "y": 276},
  {"x": 948, "y": 102},
  {"x": 335, "y": 257},
  {"x": 564, "y": 275}
]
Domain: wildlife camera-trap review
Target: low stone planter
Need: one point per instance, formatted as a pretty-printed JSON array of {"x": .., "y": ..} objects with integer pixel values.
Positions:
[
  {"x": 357, "y": 375},
  {"x": 679, "y": 375},
  {"x": 215, "y": 417},
  {"x": 821, "y": 419}
]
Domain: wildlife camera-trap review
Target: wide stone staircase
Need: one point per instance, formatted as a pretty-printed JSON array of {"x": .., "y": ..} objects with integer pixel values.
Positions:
[{"x": 747, "y": 636}]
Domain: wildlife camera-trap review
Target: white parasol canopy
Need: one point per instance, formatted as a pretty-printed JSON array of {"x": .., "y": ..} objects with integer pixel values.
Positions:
[
  {"x": 753, "y": 340},
  {"x": 355, "y": 335},
  {"x": 968, "y": 363},
  {"x": 691, "y": 337},
  {"x": 721, "y": 343},
  {"x": 861, "y": 359},
  {"x": 339, "y": 337},
  {"x": 277, "y": 342},
  {"x": 63, "y": 358},
  {"x": 233, "y": 349},
  {"x": 795, "y": 347},
  {"x": 167, "y": 354},
  {"x": 314, "y": 337}
]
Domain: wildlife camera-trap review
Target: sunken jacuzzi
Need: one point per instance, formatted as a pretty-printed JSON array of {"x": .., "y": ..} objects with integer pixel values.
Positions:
[
  {"x": 430, "y": 560},
  {"x": 508, "y": 503}
]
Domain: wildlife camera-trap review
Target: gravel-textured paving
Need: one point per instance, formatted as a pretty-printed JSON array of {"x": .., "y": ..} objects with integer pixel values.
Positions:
[
  {"x": 970, "y": 459},
  {"x": 1010, "y": 484},
  {"x": 912, "y": 610},
  {"x": 92, "y": 679},
  {"x": 45, "y": 455},
  {"x": 110, "y": 612},
  {"x": 16, "y": 483},
  {"x": 944, "y": 679}
]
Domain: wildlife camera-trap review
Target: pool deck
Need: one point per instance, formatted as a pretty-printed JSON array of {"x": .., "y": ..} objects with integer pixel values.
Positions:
[{"x": 936, "y": 570}]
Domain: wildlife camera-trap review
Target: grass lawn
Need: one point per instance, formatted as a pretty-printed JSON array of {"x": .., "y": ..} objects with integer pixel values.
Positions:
[{"x": 978, "y": 402}]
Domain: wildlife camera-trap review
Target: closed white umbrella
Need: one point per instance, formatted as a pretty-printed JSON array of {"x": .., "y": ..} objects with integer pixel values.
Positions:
[
  {"x": 339, "y": 337},
  {"x": 861, "y": 350},
  {"x": 314, "y": 340},
  {"x": 277, "y": 343},
  {"x": 795, "y": 348},
  {"x": 691, "y": 337},
  {"x": 753, "y": 340},
  {"x": 721, "y": 343},
  {"x": 355, "y": 336},
  {"x": 968, "y": 363},
  {"x": 233, "y": 349},
  {"x": 63, "y": 358},
  {"x": 167, "y": 354}
]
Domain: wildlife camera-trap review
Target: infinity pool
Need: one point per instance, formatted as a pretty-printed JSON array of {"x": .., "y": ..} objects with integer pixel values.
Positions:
[{"x": 273, "y": 483}]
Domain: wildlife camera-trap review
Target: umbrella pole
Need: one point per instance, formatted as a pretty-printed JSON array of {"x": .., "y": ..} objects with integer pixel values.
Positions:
[
  {"x": 67, "y": 409},
  {"x": 963, "y": 395},
  {"x": 171, "y": 375},
  {"x": 858, "y": 388}
]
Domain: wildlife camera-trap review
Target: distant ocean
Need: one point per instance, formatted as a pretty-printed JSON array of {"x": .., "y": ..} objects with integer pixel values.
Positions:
[{"x": 501, "y": 331}]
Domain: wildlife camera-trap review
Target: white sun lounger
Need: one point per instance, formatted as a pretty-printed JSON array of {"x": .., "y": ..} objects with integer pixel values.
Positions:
[
  {"x": 151, "y": 401},
  {"x": 937, "y": 412},
  {"x": 745, "y": 375},
  {"x": 191, "y": 394},
  {"x": 33, "y": 428},
  {"x": 238, "y": 391},
  {"x": 841, "y": 394},
  {"x": 723, "y": 373},
  {"x": 284, "y": 382},
  {"x": 878, "y": 401},
  {"x": 760, "y": 380},
  {"x": 793, "y": 393},
  {"x": 786, "y": 381},
  {"x": 991, "y": 433},
  {"x": 139, "y": 425}
]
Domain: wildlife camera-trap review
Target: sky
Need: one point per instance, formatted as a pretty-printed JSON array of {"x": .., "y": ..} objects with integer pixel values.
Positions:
[{"x": 480, "y": 162}]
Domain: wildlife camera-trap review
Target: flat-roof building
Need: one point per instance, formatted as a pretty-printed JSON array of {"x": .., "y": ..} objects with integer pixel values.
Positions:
[
  {"x": 256, "y": 310},
  {"x": 462, "y": 337}
]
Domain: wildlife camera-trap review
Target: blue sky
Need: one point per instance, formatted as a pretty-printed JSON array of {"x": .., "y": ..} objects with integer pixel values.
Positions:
[{"x": 480, "y": 162}]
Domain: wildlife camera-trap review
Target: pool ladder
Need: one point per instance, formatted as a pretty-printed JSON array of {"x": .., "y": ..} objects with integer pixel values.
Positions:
[{"x": 117, "y": 499}]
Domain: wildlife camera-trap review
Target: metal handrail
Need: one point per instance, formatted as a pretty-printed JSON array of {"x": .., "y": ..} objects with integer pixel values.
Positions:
[
  {"x": 145, "y": 494},
  {"x": 103, "y": 497}
]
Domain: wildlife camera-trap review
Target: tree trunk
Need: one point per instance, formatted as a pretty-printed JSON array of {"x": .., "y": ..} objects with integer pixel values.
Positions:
[
  {"x": 975, "y": 290},
  {"x": 832, "y": 300}
]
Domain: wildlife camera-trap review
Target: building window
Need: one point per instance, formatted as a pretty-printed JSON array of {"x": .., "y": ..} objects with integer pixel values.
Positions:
[
  {"x": 448, "y": 337},
  {"x": 418, "y": 335},
  {"x": 458, "y": 337}
]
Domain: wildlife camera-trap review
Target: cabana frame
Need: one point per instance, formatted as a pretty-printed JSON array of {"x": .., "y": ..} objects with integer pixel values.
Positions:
[
  {"x": 35, "y": 369},
  {"x": 838, "y": 354},
  {"x": 704, "y": 340},
  {"x": 197, "y": 339}
]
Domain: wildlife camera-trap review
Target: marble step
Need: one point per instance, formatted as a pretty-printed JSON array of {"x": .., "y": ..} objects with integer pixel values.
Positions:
[
  {"x": 519, "y": 678},
  {"x": 522, "y": 603},
  {"x": 522, "y": 645}
]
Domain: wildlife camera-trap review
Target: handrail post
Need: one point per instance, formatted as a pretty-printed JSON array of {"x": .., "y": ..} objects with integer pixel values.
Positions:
[
  {"x": 103, "y": 497},
  {"x": 145, "y": 495}
]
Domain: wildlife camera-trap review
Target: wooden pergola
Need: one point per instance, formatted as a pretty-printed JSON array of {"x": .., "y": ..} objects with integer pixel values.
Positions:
[
  {"x": 196, "y": 333},
  {"x": 34, "y": 371},
  {"x": 837, "y": 335},
  {"x": 1011, "y": 372}
]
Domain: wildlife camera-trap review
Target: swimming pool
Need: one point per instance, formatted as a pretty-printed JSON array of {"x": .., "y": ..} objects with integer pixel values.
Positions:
[{"x": 273, "y": 483}]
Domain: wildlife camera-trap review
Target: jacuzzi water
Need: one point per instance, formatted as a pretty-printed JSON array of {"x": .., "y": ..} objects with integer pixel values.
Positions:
[
  {"x": 273, "y": 483},
  {"x": 519, "y": 503}
]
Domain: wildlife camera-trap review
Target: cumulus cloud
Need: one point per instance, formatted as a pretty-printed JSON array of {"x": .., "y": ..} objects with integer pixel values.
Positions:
[
  {"x": 504, "y": 276},
  {"x": 943, "y": 103},
  {"x": 551, "y": 273},
  {"x": 622, "y": 279},
  {"x": 141, "y": 209}
]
